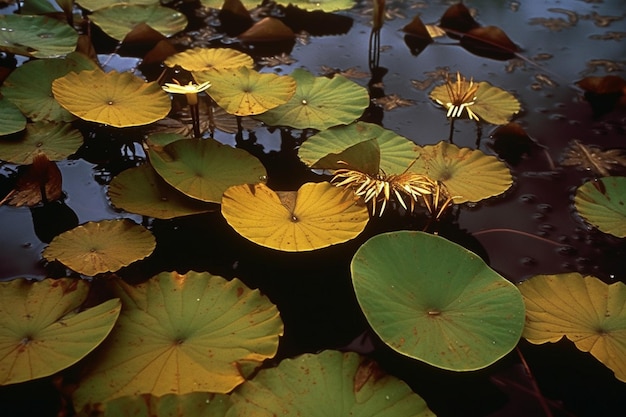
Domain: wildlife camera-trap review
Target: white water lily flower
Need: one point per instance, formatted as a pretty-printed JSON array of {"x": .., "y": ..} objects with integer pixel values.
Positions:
[{"x": 190, "y": 90}]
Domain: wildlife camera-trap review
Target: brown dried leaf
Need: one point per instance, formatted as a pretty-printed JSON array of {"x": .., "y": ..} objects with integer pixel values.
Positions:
[
  {"x": 40, "y": 182},
  {"x": 593, "y": 158}
]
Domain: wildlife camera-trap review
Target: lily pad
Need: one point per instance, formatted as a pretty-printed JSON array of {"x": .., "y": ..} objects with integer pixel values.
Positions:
[
  {"x": 324, "y": 149},
  {"x": 319, "y": 103},
  {"x": 30, "y": 86},
  {"x": 36, "y": 36},
  {"x": 603, "y": 204},
  {"x": 435, "y": 301},
  {"x": 104, "y": 246},
  {"x": 56, "y": 140},
  {"x": 42, "y": 333},
  {"x": 468, "y": 174},
  {"x": 204, "y": 168},
  {"x": 329, "y": 383},
  {"x": 245, "y": 92},
  {"x": 119, "y": 20},
  {"x": 206, "y": 59},
  {"x": 119, "y": 99},
  {"x": 196, "y": 404},
  {"x": 585, "y": 310},
  {"x": 93, "y": 5},
  {"x": 141, "y": 190},
  {"x": 316, "y": 216},
  {"x": 217, "y": 4},
  {"x": 11, "y": 118},
  {"x": 180, "y": 334},
  {"x": 323, "y": 5}
]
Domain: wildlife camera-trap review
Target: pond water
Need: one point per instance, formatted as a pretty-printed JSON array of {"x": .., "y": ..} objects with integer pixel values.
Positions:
[{"x": 532, "y": 229}]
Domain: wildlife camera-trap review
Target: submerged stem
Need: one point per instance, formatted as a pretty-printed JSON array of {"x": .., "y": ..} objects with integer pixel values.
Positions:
[{"x": 533, "y": 382}]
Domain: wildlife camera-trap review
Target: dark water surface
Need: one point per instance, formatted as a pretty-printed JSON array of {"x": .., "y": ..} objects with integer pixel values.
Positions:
[{"x": 532, "y": 229}]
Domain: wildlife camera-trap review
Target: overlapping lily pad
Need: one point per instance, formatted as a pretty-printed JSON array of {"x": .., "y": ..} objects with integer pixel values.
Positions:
[
  {"x": 11, "y": 118},
  {"x": 245, "y": 92},
  {"x": 329, "y": 383},
  {"x": 30, "y": 86},
  {"x": 93, "y": 5},
  {"x": 585, "y": 310},
  {"x": 319, "y": 103},
  {"x": 103, "y": 246},
  {"x": 316, "y": 216},
  {"x": 119, "y": 99},
  {"x": 141, "y": 190},
  {"x": 204, "y": 168},
  {"x": 603, "y": 204},
  {"x": 36, "y": 36},
  {"x": 468, "y": 174},
  {"x": 324, "y": 149},
  {"x": 433, "y": 300},
  {"x": 56, "y": 140},
  {"x": 119, "y": 20},
  {"x": 206, "y": 59},
  {"x": 180, "y": 334},
  {"x": 42, "y": 333}
]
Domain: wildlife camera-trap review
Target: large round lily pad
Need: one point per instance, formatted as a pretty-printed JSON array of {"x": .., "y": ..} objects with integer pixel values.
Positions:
[
  {"x": 433, "y": 300},
  {"x": 319, "y": 103},
  {"x": 56, "y": 140},
  {"x": 603, "y": 204},
  {"x": 587, "y": 311},
  {"x": 199, "y": 60},
  {"x": 42, "y": 333},
  {"x": 119, "y": 99},
  {"x": 316, "y": 216},
  {"x": 141, "y": 190},
  {"x": 329, "y": 383},
  {"x": 36, "y": 36},
  {"x": 204, "y": 168},
  {"x": 119, "y": 20},
  {"x": 468, "y": 174},
  {"x": 182, "y": 333},
  {"x": 103, "y": 246},
  {"x": 30, "y": 86}
]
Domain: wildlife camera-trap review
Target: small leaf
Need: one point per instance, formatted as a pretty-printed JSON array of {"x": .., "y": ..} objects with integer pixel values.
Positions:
[
  {"x": 104, "y": 246},
  {"x": 603, "y": 204},
  {"x": 268, "y": 29},
  {"x": 316, "y": 216},
  {"x": 490, "y": 42},
  {"x": 592, "y": 158},
  {"x": 458, "y": 18},
  {"x": 39, "y": 182},
  {"x": 587, "y": 311},
  {"x": 42, "y": 333}
]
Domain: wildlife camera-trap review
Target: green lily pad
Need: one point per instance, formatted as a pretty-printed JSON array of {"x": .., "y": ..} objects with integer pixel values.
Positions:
[
  {"x": 119, "y": 20},
  {"x": 196, "y": 404},
  {"x": 104, "y": 246},
  {"x": 204, "y": 168},
  {"x": 245, "y": 92},
  {"x": 206, "y": 59},
  {"x": 179, "y": 334},
  {"x": 93, "y": 5},
  {"x": 329, "y": 383},
  {"x": 319, "y": 103},
  {"x": 217, "y": 4},
  {"x": 36, "y": 36},
  {"x": 42, "y": 333},
  {"x": 316, "y": 216},
  {"x": 468, "y": 174},
  {"x": 11, "y": 118},
  {"x": 323, "y": 5},
  {"x": 324, "y": 149},
  {"x": 435, "y": 301},
  {"x": 30, "y": 86},
  {"x": 119, "y": 99},
  {"x": 56, "y": 140},
  {"x": 141, "y": 190},
  {"x": 603, "y": 204},
  {"x": 587, "y": 311}
]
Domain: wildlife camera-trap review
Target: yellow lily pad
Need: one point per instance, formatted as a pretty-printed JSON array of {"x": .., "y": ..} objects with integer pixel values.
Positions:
[
  {"x": 245, "y": 92},
  {"x": 119, "y": 99},
  {"x": 93, "y": 5},
  {"x": 205, "y": 59},
  {"x": 119, "y": 20},
  {"x": 103, "y": 246},
  {"x": 319, "y": 103},
  {"x": 56, "y": 140},
  {"x": 316, "y": 216},
  {"x": 585, "y": 310},
  {"x": 182, "y": 333},
  {"x": 42, "y": 333},
  {"x": 468, "y": 174}
]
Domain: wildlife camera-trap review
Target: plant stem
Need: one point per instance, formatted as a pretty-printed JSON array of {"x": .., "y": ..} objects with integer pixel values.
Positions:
[
  {"x": 533, "y": 382},
  {"x": 518, "y": 232}
]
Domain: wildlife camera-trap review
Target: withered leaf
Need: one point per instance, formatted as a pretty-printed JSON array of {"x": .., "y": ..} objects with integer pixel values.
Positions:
[
  {"x": 592, "y": 158},
  {"x": 39, "y": 182}
]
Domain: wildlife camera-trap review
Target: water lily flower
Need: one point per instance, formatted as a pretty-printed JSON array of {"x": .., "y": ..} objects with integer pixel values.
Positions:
[
  {"x": 458, "y": 96},
  {"x": 190, "y": 91}
]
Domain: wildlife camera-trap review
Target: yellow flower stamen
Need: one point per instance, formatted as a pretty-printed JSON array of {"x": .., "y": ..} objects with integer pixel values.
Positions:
[{"x": 462, "y": 94}]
